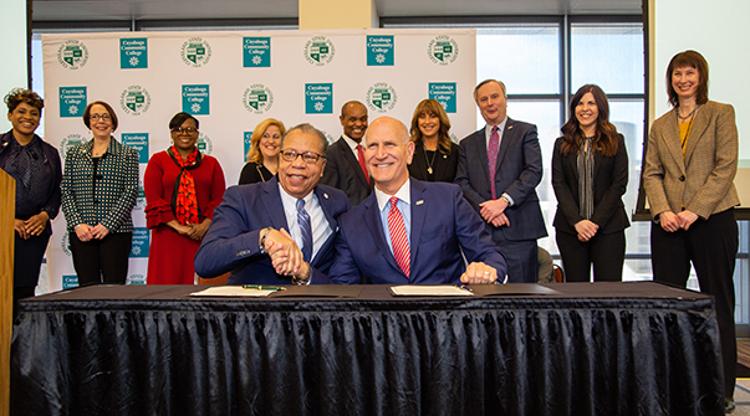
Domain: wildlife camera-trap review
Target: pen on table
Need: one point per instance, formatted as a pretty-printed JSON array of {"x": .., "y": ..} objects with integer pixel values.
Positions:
[{"x": 262, "y": 287}]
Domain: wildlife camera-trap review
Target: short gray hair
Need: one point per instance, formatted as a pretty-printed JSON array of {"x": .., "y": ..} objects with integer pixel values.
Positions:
[{"x": 307, "y": 128}]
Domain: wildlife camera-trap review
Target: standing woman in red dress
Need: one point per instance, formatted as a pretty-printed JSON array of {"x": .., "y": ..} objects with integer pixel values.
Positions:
[{"x": 182, "y": 186}]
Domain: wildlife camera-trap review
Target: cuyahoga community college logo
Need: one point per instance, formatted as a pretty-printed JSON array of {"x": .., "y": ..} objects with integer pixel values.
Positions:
[
  {"x": 257, "y": 98},
  {"x": 443, "y": 50},
  {"x": 196, "y": 52},
  {"x": 72, "y": 54},
  {"x": 319, "y": 50},
  {"x": 68, "y": 142},
  {"x": 205, "y": 144},
  {"x": 381, "y": 97},
  {"x": 135, "y": 100}
]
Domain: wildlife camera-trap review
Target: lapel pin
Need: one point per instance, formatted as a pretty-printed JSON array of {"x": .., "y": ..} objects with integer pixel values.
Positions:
[
  {"x": 420, "y": 202},
  {"x": 510, "y": 127},
  {"x": 325, "y": 195}
]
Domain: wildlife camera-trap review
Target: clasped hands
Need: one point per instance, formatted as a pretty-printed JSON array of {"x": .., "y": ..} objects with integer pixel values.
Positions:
[
  {"x": 85, "y": 232},
  {"x": 286, "y": 256},
  {"x": 586, "y": 230},
  {"x": 31, "y": 227},
  {"x": 672, "y": 222},
  {"x": 493, "y": 212},
  {"x": 193, "y": 231}
]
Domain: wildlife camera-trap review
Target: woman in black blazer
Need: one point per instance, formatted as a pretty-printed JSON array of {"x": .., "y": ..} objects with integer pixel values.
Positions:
[
  {"x": 435, "y": 155},
  {"x": 590, "y": 175}
]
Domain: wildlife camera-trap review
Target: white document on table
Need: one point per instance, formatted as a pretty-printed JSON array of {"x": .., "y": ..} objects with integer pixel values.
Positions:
[
  {"x": 430, "y": 290},
  {"x": 233, "y": 291}
]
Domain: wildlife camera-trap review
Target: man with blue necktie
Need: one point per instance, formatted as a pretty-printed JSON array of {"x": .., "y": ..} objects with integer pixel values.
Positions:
[
  {"x": 409, "y": 231},
  {"x": 282, "y": 230},
  {"x": 499, "y": 167}
]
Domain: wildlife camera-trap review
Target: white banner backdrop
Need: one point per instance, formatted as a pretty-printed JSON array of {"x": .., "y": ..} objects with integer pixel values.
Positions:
[{"x": 231, "y": 80}]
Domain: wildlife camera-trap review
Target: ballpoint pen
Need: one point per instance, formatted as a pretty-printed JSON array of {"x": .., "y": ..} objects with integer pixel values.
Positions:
[{"x": 264, "y": 287}]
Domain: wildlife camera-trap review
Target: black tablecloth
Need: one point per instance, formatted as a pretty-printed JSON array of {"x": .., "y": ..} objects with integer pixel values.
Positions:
[{"x": 586, "y": 349}]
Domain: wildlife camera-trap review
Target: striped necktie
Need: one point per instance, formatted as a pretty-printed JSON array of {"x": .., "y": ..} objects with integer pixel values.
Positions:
[
  {"x": 399, "y": 240},
  {"x": 303, "y": 219}
]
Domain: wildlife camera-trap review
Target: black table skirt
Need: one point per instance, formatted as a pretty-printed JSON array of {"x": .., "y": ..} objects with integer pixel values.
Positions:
[{"x": 589, "y": 349}]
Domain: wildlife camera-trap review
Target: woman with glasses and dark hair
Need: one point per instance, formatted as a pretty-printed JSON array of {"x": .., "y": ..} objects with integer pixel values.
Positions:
[
  {"x": 590, "y": 176},
  {"x": 35, "y": 165},
  {"x": 435, "y": 154},
  {"x": 263, "y": 157},
  {"x": 183, "y": 187},
  {"x": 691, "y": 161},
  {"x": 99, "y": 188}
]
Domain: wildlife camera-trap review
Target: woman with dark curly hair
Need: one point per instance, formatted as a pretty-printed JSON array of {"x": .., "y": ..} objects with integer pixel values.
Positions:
[
  {"x": 435, "y": 155},
  {"x": 35, "y": 165},
  {"x": 589, "y": 176}
]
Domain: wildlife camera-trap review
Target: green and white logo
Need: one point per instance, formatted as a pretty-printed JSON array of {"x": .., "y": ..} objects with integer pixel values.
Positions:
[
  {"x": 195, "y": 99},
  {"x": 380, "y": 50},
  {"x": 381, "y": 97},
  {"x": 205, "y": 144},
  {"x": 69, "y": 281},
  {"x": 73, "y": 101},
  {"x": 72, "y": 54},
  {"x": 443, "y": 50},
  {"x": 444, "y": 93},
  {"x": 65, "y": 244},
  {"x": 139, "y": 142},
  {"x": 256, "y": 52},
  {"x": 135, "y": 100},
  {"x": 133, "y": 53},
  {"x": 136, "y": 279},
  {"x": 319, "y": 98},
  {"x": 139, "y": 246},
  {"x": 140, "y": 199},
  {"x": 257, "y": 98},
  {"x": 319, "y": 50},
  {"x": 68, "y": 142},
  {"x": 196, "y": 52}
]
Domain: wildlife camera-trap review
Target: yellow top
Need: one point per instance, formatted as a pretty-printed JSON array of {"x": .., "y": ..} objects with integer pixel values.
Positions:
[{"x": 684, "y": 131}]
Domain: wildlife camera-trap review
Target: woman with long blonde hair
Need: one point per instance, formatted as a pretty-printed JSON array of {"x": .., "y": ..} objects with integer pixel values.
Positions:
[{"x": 263, "y": 157}]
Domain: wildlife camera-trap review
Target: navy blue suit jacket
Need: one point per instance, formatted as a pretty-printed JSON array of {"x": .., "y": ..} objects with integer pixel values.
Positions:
[
  {"x": 518, "y": 172},
  {"x": 442, "y": 224},
  {"x": 231, "y": 243}
]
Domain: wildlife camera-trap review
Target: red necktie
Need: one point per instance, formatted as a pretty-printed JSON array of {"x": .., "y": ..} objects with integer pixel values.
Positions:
[
  {"x": 361, "y": 160},
  {"x": 492, "y": 150},
  {"x": 399, "y": 240}
]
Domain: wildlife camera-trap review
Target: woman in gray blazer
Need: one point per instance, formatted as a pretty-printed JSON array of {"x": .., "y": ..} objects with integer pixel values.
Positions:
[
  {"x": 99, "y": 188},
  {"x": 691, "y": 160}
]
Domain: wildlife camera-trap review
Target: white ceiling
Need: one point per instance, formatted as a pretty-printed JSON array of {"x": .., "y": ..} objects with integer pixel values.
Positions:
[{"x": 93, "y": 10}]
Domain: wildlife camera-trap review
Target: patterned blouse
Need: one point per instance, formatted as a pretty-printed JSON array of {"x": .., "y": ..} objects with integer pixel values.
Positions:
[{"x": 107, "y": 197}]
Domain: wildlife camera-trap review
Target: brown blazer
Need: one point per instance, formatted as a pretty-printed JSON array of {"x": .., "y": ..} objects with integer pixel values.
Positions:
[{"x": 702, "y": 181}]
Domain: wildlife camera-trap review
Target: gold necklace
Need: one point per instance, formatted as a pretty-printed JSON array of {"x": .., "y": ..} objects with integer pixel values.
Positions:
[{"x": 428, "y": 161}]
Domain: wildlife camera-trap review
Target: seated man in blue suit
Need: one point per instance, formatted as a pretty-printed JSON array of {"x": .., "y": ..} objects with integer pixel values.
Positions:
[
  {"x": 290, "y": 217},
  {"x": 408, "y": 231}
]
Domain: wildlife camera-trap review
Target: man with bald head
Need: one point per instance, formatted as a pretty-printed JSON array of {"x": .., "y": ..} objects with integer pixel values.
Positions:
[
  {"x": 409, "y": 231},
  {"x": 346, "y": 168}
]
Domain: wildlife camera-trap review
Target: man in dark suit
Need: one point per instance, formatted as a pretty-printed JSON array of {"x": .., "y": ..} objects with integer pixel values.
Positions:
[
  {"x": 498, "y": 169},
  {"x": 345, "y": 167},
  {"x": 292, "y": 220},
  {"x": 409, "y": 231}
]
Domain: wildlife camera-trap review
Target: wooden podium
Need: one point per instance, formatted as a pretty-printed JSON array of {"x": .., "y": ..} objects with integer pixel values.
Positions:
[{"x": 7, "y": 216}]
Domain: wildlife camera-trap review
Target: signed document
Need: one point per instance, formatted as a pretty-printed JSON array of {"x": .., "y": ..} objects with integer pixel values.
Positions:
[
  {"x": 234, "y": 291},
  {"x": 430, "y": 290}
]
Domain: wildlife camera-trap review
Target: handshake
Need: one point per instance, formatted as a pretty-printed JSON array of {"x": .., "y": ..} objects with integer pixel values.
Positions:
[{"x": 286, "y": 256}]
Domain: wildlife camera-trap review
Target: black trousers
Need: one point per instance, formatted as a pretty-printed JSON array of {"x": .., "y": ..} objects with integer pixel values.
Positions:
[
  {"x": 605, "y": 251},
  {"x": 27, "y": 261},
  {"x": 101, "y": 261},
  {"x": 711, "y": 245}
]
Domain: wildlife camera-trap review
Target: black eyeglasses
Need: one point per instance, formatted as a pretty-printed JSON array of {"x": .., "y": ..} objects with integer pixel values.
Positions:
[
  {"x": 188, "y": 130},
  {"x": 103, "y": 117},
  {"x": 290, "y": 155}
]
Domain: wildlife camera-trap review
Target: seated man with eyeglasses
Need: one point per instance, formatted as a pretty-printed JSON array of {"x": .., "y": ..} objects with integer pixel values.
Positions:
[{"x": 280, "y": 231}]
